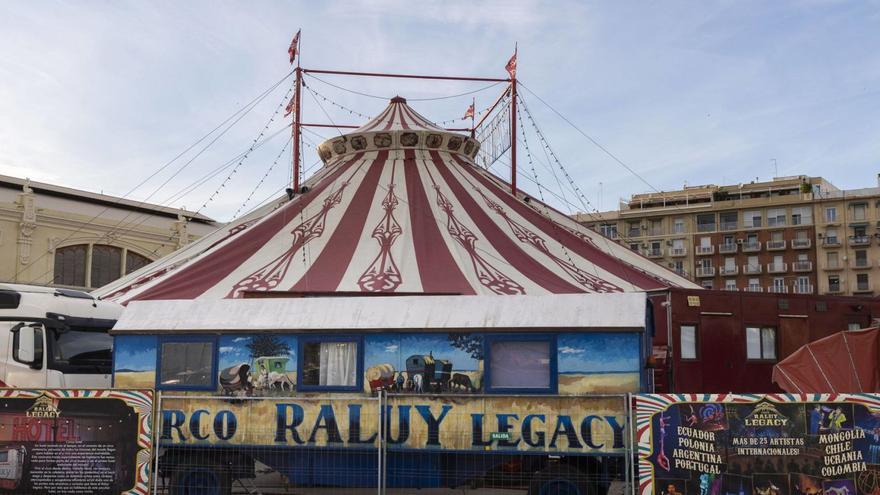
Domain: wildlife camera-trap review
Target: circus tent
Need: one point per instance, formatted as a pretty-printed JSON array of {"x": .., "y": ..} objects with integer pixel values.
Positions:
[{"x": 399, "y": 207}]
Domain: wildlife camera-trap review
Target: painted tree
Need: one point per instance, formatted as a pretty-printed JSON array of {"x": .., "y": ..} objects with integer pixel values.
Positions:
[
  {"x": 469, "y": 343},
  {"x": 268, "y": 345}
]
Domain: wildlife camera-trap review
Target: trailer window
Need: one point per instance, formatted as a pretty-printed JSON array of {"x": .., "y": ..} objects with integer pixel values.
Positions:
[
  {"x": 187, "y": 365},
  {"x": 80, "y": 351},
  {"x": 688, "y": 343},
  {"x": 329, "y": 364},
  {"x": 521, "y": 364},
  {"x": 761, "y": 343}
]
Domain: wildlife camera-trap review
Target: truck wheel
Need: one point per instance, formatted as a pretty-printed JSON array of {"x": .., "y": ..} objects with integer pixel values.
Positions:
[
  {"x": 200, "y": 481},
  {"x": 560, "y": 479}
]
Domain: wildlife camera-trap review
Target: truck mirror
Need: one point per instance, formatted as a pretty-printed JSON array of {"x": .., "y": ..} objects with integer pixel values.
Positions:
[{"x": 26, "y": 345}]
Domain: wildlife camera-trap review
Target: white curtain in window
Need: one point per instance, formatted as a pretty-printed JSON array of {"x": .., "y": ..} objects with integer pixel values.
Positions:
[{"x": 338, "y": 364}]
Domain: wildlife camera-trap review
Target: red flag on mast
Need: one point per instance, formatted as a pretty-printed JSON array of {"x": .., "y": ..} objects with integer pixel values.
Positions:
[
  {"x": 294, "y": 45},
  {"x": 289, "y": 108},
  {"x": 469, "y": 112},
  {"x": 511, "y": 65}
]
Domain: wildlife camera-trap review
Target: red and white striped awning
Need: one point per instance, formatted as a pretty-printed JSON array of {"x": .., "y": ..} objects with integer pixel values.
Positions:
[{"x": 399, "y": 206}]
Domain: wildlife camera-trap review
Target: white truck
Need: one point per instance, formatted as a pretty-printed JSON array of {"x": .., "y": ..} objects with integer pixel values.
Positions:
[{"x": 55, "y": 338}]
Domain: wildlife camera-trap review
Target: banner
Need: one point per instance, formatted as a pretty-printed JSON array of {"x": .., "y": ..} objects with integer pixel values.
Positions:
[
  {"x": 75, "y": 441},
  {"x": 570, "y": 425},
  {"x": 775, "y": 444}
]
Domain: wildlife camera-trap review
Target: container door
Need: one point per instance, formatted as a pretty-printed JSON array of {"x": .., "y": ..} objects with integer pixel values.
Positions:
[
  {"x": 721, "y": 354},
  {"x": 793, "y": 333}
]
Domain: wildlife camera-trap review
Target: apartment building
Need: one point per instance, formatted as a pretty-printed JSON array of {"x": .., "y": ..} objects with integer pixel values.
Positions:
[
  {"x": 848, "y": 235},
  {"x": 757, "y": 237}
]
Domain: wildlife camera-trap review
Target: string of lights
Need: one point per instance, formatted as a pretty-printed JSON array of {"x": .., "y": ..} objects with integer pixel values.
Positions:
[{"x": 263, "y": 178}]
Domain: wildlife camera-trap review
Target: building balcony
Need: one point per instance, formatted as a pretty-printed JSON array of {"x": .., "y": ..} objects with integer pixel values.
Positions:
[
  {"x": 728, "y": 270},
  {"x": 831, "y": 242},
  {"x": 727, "y": 248},
  {"x": 751, "y": 246},
  {"x": 801, "y": 289},
  {"x": 801, "y": 243},
  {"x": 860, "y": 264},
  {"x": 704, "y": 250},
  {"x": 730, "y": 288},
  {"x": 678, "y": 252},
  {"x": 859, "y": 240},
  {"x": 802, "y": 266},
  {"x": 729, "y": 226},
  {"x": 777, "y": 267},
  {"x": 751, "y": 269},
  {"x": 834, "y": 266},
  {"x": 683, "y": 273},
  {"x": 777, "y": 289},
  {"x": 634, "y": 233},
  {"x": 705, "y": 271},
  {"x": 776, "y": 245},
  {"x": 753, "y": 288},
  {"x": 654, "y": 253}
]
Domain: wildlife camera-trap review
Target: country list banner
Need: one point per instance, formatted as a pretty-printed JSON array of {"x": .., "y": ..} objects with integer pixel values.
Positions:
[{"x": 775, "y": 444}]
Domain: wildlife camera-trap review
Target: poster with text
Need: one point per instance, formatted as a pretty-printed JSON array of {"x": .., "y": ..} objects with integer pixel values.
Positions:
[
  {"x": 775, "y": 444},
  {"x": 69, "y": 442}
]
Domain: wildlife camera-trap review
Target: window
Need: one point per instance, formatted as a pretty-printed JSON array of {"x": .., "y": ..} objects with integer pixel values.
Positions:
[
  {"x": 831, "y": 236},
  {"x": 853, "y": 326},
  {"x": 678, "y": 226},
  {"x": 778, "y": 284},
  {"x": 94, "y": 265},
  {"x": 729, "y": 263},
  {"x": 333, "y": 363},
  {"x": 706, "y": 222},
  {"x": 678, "y": 267},
  {"x": 655, "y": 227},
  {"x": 633, "y": 229},
  {"x": 833, "y": 283},
  {"x": 705, "y": 242},
  {"x": 831, "y": 214},
  {"x": 802, "y": 215},
  {"x": 707, "y": 284},
  {"x": 752, "y": 219},
  {"x": 688, "y": 342},
  {"x": 729, "y": 220},
  {"x": 754, "y": 284},
  {"x": 861, "y": 258},
  {"x": 656, "y": 250},
  {"x": 609, "y": 230},
  {"x": 521, "y": 363},
  {"x": 775, "y": 217},
  {"x": 832, "y": 259},
  {"x": 803, "y": 283},
  {"x": 70, "y": 265},
  {"x": 730, "y": 284},
  {"x": 106, "y": 265},
  {"x": 801, "y": 235},
  {"x": 760, "y": 343},
  {"x": 134, "y": 261},
  {"x": 862, "y": 283},
  {"x": 187, "y": 364},
  {"x": 859, "y": 212},
  {"x": 634, "y": 246},
  {"x": 776, "y": 235}
]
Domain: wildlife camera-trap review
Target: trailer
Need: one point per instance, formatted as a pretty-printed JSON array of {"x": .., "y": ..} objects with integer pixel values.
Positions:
[{"x": 540, "y": 405}]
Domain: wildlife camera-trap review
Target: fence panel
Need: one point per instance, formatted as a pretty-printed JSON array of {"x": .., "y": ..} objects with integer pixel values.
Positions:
[{"x": 393, "y": 444}]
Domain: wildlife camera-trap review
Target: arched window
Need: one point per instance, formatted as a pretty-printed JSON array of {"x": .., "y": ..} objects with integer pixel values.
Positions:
[
  {"x": 106, "y": 264},
  {"x": 134, "y": 261},
  {"x": 94, "y": 265},
  {"x": 70, "y": 265}
]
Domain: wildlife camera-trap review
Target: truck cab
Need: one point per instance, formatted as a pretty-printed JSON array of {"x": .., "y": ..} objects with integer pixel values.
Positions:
[{"x": 55, "y": 338}]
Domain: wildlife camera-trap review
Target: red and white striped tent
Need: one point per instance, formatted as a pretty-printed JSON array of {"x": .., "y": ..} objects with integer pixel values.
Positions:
[{"x": 399, "y": 206}]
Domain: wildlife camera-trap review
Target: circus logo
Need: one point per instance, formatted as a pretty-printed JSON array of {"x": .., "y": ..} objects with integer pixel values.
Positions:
[{"x": 44, "y": 407}]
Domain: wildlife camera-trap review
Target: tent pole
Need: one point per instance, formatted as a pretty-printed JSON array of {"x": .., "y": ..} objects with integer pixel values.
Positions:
[
  {"x": 296, "y": 127},
  {"x": 513, "y": 136}
]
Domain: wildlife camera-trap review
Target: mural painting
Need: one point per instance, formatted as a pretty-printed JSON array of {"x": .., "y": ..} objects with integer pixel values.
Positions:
[
  {"x": 257, "y": 365},
  {"x": 134, "y": 361},
  {"x": 430, "y": 363}
]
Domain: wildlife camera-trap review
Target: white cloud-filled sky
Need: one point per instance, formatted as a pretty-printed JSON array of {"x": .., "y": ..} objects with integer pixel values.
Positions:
[{"x": 99, "y": 95}]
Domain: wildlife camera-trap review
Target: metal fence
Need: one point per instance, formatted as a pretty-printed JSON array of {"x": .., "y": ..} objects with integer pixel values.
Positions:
[{"x": 386, "y": 444}]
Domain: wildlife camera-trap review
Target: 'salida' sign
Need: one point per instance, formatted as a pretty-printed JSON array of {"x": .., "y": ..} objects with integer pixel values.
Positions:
[{"x": 779, "y": 444}]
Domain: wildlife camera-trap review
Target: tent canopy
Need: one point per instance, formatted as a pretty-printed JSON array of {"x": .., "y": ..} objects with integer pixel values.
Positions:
[
  {"x": 399, "y": 206},
  {"x": 840, "y": 363}
]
